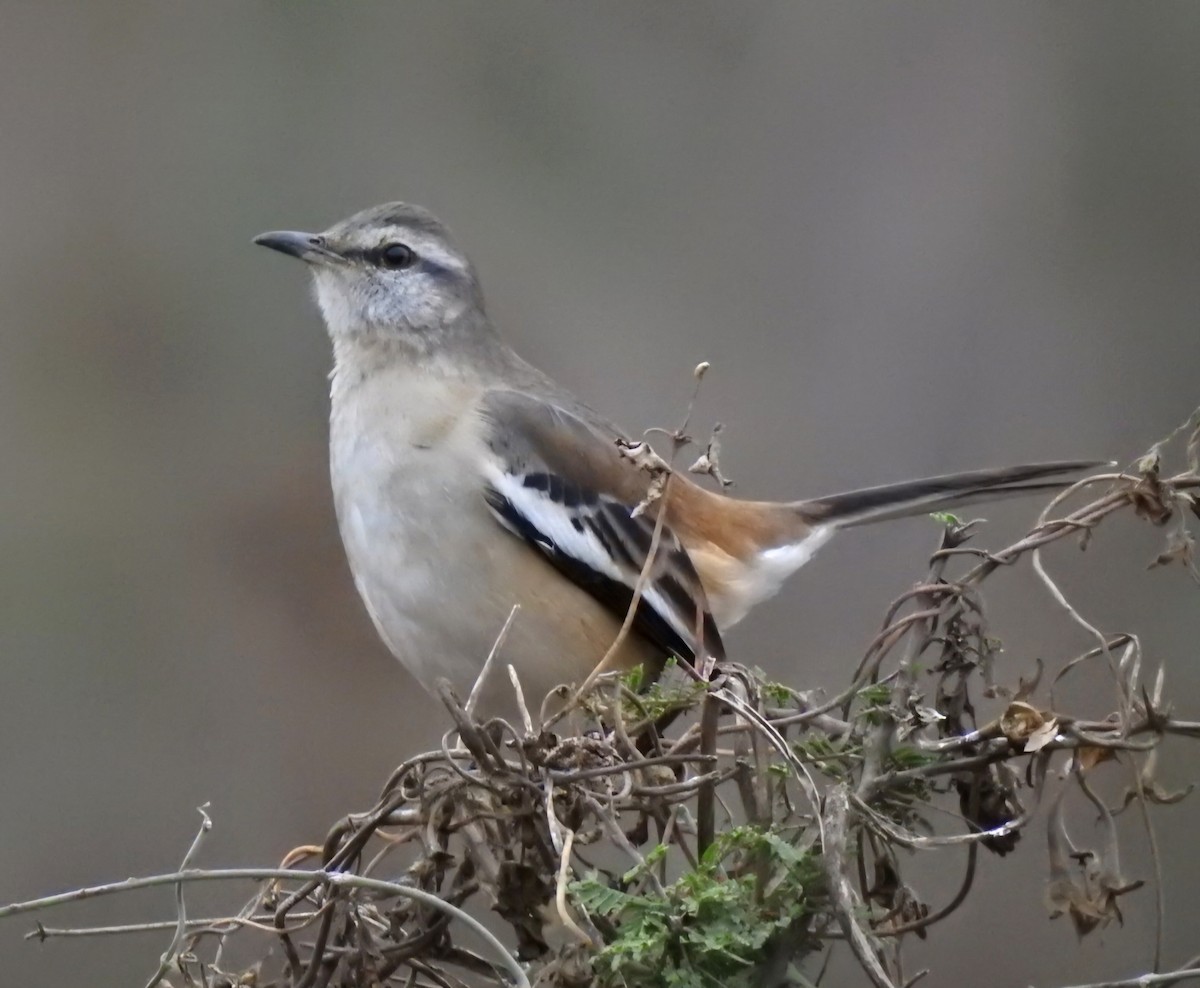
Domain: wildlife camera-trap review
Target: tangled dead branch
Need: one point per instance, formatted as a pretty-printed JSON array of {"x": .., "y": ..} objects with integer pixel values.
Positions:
[{"x": 738, "y": 847}]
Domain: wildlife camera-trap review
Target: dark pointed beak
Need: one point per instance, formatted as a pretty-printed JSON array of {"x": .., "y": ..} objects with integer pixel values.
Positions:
[{"x": 308, "y": 247}]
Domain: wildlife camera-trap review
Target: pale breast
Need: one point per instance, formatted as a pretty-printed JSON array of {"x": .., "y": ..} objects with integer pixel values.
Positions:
[
  {"x": 402, "y": 448},
  {"x": 437, "y": 573}
]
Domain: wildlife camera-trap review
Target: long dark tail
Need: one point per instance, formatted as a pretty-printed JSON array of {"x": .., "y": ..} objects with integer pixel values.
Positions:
[{"x": 915, "y": 497}]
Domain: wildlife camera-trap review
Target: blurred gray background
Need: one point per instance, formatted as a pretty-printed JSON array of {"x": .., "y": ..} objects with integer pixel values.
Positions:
[{"x": 910, "y": 238}]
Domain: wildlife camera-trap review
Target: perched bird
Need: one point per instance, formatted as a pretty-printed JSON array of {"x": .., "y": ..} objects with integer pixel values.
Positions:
[{"x": 467, "y": 481}]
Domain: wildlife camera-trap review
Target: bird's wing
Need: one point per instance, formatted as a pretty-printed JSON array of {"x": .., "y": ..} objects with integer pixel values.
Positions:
[{"x": 560, "y": 484}]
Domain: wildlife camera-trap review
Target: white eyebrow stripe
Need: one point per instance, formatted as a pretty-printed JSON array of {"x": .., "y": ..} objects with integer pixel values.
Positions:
[{"x": 425, "y": 247}]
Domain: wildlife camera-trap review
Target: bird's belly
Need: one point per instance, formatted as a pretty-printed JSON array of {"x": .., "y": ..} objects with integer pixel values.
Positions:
[{"x": 440, "y": 576}]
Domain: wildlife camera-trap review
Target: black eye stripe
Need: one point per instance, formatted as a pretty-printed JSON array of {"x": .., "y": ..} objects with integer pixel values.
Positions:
[{"x": 391, "y": 256}]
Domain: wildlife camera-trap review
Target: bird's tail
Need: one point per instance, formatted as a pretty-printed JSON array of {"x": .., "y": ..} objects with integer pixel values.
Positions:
[{"x": 915, "y": 497}]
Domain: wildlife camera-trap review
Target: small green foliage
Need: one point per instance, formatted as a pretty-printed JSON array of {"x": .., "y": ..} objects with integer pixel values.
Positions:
[
  {"x": 633, "y": 679},
  {"x": 876, "y": 701},
  {"x": 833, "y": 756},
  {"x": 906, "y": 757},
  {"x": 777, "y": 693},
  {"x": 659, "y": 697},
  {"x": 650, "y": 860},
  {"x": 946, "y": 518},
  {"x": 876, "y": 695},
  {"x": 710, "y": 927}
]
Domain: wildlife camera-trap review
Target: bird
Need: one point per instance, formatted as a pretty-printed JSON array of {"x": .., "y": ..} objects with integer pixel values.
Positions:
[{"x": 474, "y": 493}]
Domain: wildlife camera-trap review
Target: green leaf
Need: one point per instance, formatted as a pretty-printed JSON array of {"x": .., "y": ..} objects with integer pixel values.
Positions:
[
  {"x": 706, "y": 928},
  {"x": 601, "y": 899}
]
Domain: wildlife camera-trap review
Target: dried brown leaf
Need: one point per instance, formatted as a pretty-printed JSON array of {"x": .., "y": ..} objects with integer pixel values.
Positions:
[
  {"x": 1091, "y": 755},
  {"x": 1043, "y": 735},
  {"x": 1020, "y": 721},
  {"x": 1090, "y": 899},
  {"x": 1180, "y": 548},
  {"x": 1026, "y": 687}
]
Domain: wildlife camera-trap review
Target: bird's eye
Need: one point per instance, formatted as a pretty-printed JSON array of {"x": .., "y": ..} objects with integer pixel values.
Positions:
[{"x": 396, "y": 256}]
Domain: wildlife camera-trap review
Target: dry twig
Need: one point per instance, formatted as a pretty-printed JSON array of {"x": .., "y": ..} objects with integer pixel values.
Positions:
[{"x": 736, "y": 862}]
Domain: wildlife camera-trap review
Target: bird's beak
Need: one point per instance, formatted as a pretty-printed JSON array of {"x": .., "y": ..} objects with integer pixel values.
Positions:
[{"x": 309, "y": 247}]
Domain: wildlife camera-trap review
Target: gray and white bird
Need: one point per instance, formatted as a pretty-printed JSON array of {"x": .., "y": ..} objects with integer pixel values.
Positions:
[{"x": 466, "y": 481}]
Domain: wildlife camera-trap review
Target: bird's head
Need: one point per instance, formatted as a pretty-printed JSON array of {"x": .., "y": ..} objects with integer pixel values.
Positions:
[{"x": 391, "y": 269}]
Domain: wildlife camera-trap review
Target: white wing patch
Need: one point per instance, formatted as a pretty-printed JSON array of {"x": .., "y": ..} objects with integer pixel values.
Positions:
[
  {"x": 569, "y": 529},
  {"x": 553, "y": 521}
]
